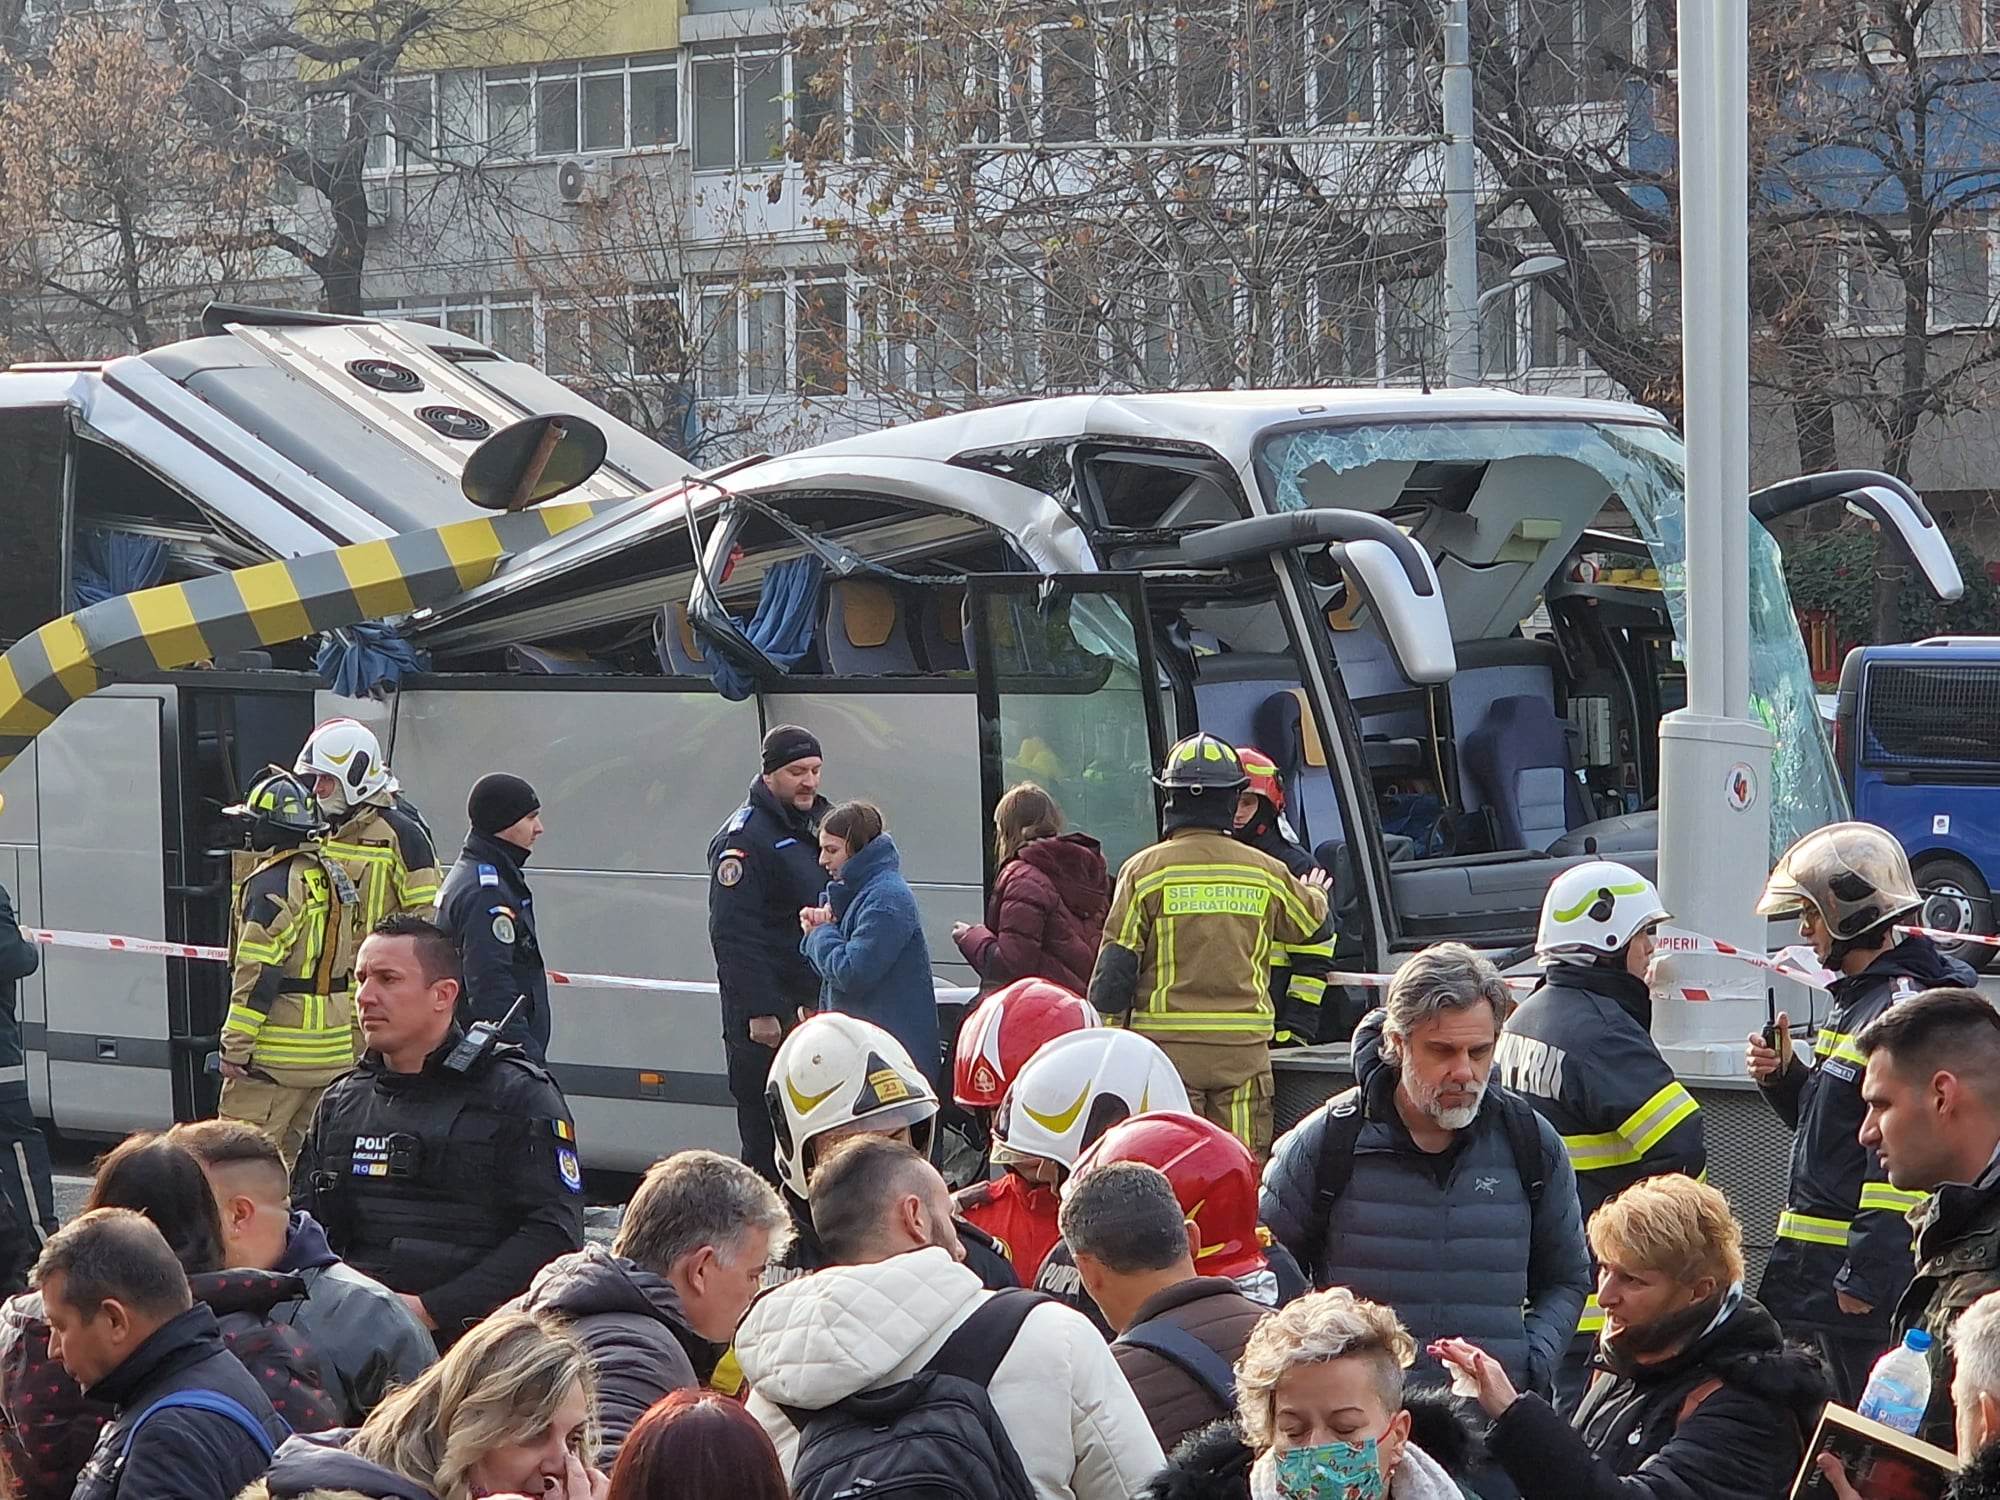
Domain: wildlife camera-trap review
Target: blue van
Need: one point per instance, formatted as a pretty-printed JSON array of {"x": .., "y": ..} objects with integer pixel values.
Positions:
[{"x": 1917, "y": 740}]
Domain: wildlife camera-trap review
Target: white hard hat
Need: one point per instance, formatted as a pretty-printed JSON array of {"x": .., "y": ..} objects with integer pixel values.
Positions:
[
  {"x": 1077, "y": 1087},
  {"x": 347, "y": 750},
  {"x": 1595, "y": 909},
  {"x": 837, "y": 1071}
]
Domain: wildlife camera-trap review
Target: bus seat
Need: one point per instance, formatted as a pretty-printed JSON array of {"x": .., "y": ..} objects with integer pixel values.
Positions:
[
  {"x": 1519, "y": 760},
  {"x": 677, "y": 646},
  {"x": 1489, "y": 671},
  {"x": 865, "y": 630},
  {"x": 941, "y": 630},
  {"x": 1283, "y": 730}
]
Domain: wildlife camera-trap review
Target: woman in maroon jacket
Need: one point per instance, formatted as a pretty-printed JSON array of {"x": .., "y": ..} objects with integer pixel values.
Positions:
[{"x": 1046, "y": 918}]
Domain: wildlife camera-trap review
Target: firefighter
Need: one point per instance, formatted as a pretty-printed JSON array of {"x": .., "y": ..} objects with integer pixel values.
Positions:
[
  {"x": 1187, "y": 945},
  {"x": 1581, "y": 1049},
  {"x": 382, "y": 843},
  {"x": 1003, "y": 1031},
  {"x": 1843, "y": 1254},
  {"x": 1298, "y": 970},
  {"x": 290, "y": 1028}
]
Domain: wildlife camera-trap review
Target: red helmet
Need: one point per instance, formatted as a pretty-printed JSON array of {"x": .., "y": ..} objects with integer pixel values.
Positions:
[
  {"x": 1006, "y": 1029},
  {"x": 1263, "y": 774},
  {"x": 1214, "y": 1177}
]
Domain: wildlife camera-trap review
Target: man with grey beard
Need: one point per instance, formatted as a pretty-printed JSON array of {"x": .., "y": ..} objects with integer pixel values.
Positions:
[{"x": 1433, "y": 1190}]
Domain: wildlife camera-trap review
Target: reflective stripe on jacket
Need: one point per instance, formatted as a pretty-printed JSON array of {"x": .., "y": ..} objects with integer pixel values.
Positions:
[
  {"x": 389, "y": 857},
  {"x": 291, "y": 1003}
]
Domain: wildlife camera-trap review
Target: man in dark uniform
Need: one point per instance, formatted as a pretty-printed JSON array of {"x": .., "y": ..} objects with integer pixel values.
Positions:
[
  {"x": 1844, "y": 1254},
  {"x": 451, "y": 1179},
  {"x": 763, "y": 867},
  {"x": 486, "y": 906},
  {"x": 1298, "y": 970},
  {"x": 28, "y": 1189}
]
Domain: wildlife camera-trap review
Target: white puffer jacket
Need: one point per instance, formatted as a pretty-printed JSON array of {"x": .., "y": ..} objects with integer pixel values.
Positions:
[{"x": 1073, "y": 1420}]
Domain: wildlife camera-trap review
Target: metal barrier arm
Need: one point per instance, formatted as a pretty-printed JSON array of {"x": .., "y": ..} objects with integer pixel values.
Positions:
[{"x": 179, "y": 624}]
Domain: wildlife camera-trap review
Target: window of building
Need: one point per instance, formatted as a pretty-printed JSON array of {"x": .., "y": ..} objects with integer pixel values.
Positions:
[
  {"x": 1009, "y": 349},
  {"x": 1960, "y": 278},
  {"x": 739, "y": 108},
  {"x": 1345, "y": 312},
  {"x": 1575, "y": 51},
  {"x": 1874, "y": 290},
  {"x": 822, "y": 338},
  {"x": 404, "y": 133},
  {"x": 1069, "y": 83},
  {"x": 1205, "y": 70},
  {"x": 560, "y": 109},
  {"x": 510, "y": 111},
  {"x": 717, "y": 309}
]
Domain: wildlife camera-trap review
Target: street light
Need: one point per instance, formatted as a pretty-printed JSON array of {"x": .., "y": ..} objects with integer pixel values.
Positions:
[{"x": 1532, "y": 269}]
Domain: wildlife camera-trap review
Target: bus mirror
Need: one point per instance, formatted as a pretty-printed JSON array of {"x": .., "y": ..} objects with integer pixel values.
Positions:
[
  {"x": 1881, "y": 498},
  {"x": 1238, "y": 541},
  {"x": 531, "y": 461},
  {"x": 1414, "y": 623}
]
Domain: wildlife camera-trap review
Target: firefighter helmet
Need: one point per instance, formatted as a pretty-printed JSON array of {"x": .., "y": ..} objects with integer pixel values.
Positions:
[
  {"x": 1595, "y": 909},
  {"x": 1077, "y": 1087},
  {"x": 1263, "y": 774},
  {"x": 346, "y": 750},
  {"x": 1854, "y": 875},
  {"x": 1202, "y": 763},
  {"x": 1213, "y": 1175},
  {"x": 1009, "y": 1027},
  {"x": 279, "y": 809},
  {"x": 841, "y": 1073}
]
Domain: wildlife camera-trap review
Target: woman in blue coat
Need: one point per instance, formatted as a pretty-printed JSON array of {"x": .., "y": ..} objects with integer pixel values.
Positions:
[{"x": 867, "y": 941}]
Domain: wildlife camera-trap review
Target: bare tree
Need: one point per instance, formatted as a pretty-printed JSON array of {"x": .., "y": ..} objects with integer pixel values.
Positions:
[{"x": 118, "y": 208}]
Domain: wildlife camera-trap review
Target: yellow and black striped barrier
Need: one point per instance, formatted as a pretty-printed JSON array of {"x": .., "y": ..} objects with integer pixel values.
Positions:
[{"x": 180, "y": 624}]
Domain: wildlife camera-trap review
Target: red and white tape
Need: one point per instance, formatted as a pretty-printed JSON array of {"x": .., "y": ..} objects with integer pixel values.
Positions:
[{"x": 1939, "y": 935}]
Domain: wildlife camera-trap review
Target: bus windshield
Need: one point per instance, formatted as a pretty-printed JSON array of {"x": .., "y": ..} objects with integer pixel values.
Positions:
[{"x": 1642, "y": 465}]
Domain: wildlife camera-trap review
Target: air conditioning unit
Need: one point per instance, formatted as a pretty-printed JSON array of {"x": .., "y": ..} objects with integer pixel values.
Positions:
[{"x": 577, "y": 181}]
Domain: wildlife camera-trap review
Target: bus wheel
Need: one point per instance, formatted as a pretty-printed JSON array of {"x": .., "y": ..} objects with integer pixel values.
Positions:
[{"x": 1956, "y": 899}]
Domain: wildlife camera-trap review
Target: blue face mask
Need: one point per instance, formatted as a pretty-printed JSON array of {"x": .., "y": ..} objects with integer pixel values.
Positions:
[{"x": 1332, "y": 1471}]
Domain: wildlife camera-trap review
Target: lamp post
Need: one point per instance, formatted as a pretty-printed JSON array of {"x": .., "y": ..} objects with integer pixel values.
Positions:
[{"x": 1461, "y": 219}]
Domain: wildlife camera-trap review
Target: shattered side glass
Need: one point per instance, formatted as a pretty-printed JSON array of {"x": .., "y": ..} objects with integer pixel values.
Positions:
[{"x": 1644, "y": 466}]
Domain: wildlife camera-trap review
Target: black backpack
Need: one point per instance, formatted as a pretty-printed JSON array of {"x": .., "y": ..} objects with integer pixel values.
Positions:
[
  {"x": 934, "y": 1436},
  {"x": 1335, "y": 1168}
]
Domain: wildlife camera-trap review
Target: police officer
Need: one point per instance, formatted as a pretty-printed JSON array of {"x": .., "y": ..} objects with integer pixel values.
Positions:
[
  {"x": 25, "y": 1184},
  {"x": 1186, "y": 948},
  {"x": 290, "y": 1027},
  {"x": 1298, "y": 970},
  {"x": 383, "y": 844},
  {"x": 1581, "y": 1049},
  {"x": 763, "y": 869},
  {"x": 486, "y": 906},
  {"x": 446, "y": 1171},
  {"x": 1843, "y": 1254}
]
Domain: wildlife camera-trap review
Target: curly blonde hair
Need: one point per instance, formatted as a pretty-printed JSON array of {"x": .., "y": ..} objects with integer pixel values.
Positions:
[
  {"x": 1333, "y": 1324},
  {"x": 501, "y": 1383}
]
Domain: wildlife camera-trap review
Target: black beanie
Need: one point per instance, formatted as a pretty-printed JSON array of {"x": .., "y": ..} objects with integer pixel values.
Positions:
[
  {"x": 500, "y": 801},
  {"x": 786, "y": 744}
]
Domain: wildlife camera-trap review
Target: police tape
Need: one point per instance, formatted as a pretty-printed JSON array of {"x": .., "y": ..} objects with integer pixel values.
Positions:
[
  {"x": 1939, "y": 935},
  {"x": 104, "y": 942}
]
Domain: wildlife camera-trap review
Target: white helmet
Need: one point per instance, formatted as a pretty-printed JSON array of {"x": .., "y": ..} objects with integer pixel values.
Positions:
[
  {"x": 839, "y": 1071},
  {"x": 347, "y": 750},
  {"x": 1593, "y": 910},
  {"x": 1077, "y": 1087}
]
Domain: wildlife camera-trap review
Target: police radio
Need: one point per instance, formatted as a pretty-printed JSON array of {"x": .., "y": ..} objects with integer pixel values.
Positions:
[{"x": 479, "y": 1039}]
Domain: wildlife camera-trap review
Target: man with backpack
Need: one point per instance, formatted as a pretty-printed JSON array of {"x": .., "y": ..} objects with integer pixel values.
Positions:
[
  {"x": 1456, "y": 1202},
  {"x": 895, "y": 1367},
  {"x": 188, "y": 1421},
  {"x": 1180, "y": 1333}
]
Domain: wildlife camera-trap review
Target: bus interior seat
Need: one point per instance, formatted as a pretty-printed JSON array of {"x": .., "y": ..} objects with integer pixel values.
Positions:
[
  {"x": 1488, "y": 671},
  {"x": 941, "y": 630},
  {"x": 551, "y": 661},
  {"x": 864, "y": 630},
  {"x": 676, "y": 644},
  {"x": 1519, "y": 760}
]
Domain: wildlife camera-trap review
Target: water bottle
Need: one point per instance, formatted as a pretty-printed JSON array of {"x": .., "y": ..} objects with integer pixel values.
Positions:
[{"x": 1899, "y": 1387}]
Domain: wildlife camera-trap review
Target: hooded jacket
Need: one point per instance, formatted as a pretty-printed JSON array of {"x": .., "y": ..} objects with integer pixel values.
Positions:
[
  {"x": 631, "y": 1321},
  {"x": 1067, "y": 1410},
  {"x": 1214, "y": 1463},
  {"x": 1957, "y": 1263},
  {"x": 360, "y": 1327},
  {"x": 1449, "y": 1239},
  {"x": 1646, "y": 1436},
  {"x": 180, "y": 1453},
  {"x": 1046, "y": 918},
  {"x": 871, "y": 957},
  {"x": 1844, "y": 1227},
  {"x": 320, "y": 1468}
]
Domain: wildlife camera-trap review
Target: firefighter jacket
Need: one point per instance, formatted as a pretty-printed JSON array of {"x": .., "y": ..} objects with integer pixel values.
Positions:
[
  {"x": 387, "y": 853},
  {"x": 1298, "y": 970},
  {"x": 763, "y": 866},
  {"x": 291, "y": 993},
  {"x": 1843, "y": 1227},
  {"x": 457, "y": 1187},
  {"x": 1188, "y": 942},
  {"x": 1019, "y": 1215},
  {"x": 1581, "y": 1050}
]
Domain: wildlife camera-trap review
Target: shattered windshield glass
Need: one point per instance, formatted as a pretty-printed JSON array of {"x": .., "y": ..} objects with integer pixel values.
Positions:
[{"x": 1644, "y": 466}]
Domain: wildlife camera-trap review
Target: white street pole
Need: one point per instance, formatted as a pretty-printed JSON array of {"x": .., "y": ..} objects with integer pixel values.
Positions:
[
  {"x": 1461, "y": 223},
  {"x": 1715, "y": 762}
]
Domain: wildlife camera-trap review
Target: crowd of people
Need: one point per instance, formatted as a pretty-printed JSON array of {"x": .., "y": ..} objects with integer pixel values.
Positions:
[{"x": 1491, "y": 1268}]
